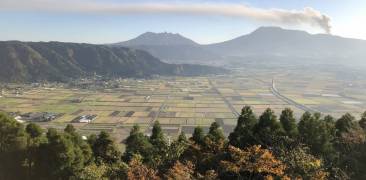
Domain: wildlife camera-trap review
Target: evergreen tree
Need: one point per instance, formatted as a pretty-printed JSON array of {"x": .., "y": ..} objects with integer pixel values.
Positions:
[
  {"x": 34, "y": 130},
  {"x": 33, "y": 141},
  {"x": 105, "y": 150},
  {"x": 243, "y": 136},
  {"x": 160, "y": 146},
  {"x": 137, "y": 143},
  {"x": 345, "y": 124},
  {"x": 351, "y": 145},
  {"x": 57, "y": 158},
  {"x": 70, "y": 129},
  {"x": 268, "y": 128},
  {"x": 157, "y": 136},
  {"x": 198, "y": 135},
  {"x": 12, "y": 148},
  {"x": 177, "y": 148},
  {"x": 362, "y": 121},
  {"x": 288, "y": 122},
  {"x": 175, "y": 151},
  {"x": 317, "y": 134},
  {"x": 215, "y": 133}
]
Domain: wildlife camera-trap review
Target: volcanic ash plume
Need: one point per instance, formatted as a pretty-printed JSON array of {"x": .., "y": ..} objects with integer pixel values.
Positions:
[{"x": 307, "y": 16}]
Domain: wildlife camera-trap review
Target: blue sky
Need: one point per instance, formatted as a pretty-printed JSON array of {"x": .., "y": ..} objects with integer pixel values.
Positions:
[{"x": 39, "y": 23}]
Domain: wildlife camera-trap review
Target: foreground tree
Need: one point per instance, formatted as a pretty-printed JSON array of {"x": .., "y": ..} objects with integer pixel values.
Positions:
[
  {"x": 351, "y": 143},
  {"x": 268, "y": 128},
  {"x": 243, "y": 135},
  {"x": 362, "y": 121},
  {"x": 138, "y": 171},
  {"x": 58, "y": 158},
  {"x": 251, "y": 163},
  {"x": 160, "y": 146},
  {"x": 288, "y": 122},
  {"x": 317, "y": 134},
  {"x": 34, "y": 139},
  {"x": 105, "y": 150},
  {"x": 215, "y": 133},
  {"x": 137, "y": 143},
  {"x": 198, "y": 136},
  {"x": 302, "y": 165},
  {"x": 12, "y": 148},
  {"x": 180, "y": 171},
  {"x": 177, "y": 148}
]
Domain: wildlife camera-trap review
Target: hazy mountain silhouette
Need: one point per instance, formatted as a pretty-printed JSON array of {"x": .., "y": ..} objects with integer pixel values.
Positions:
[
  {"x": 263, "y": 42},
  {"x": 57, "y": 61}
]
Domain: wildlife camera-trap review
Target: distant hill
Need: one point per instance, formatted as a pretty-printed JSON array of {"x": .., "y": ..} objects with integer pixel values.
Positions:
[
  {"x": 56, "y": 61},
  {"x": 170, "y": 47},
  {"x": 264, "y": 42},
  {"x": 275, "y": 41}
]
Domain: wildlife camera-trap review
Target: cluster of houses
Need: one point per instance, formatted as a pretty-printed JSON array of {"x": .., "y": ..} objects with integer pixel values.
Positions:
[
  {"x": 36, "y": 117},
  {"x": 85, "y": 119}
]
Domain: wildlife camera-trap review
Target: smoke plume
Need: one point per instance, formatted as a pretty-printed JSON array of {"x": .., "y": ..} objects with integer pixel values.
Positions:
[{"x": 307, "y": 16}]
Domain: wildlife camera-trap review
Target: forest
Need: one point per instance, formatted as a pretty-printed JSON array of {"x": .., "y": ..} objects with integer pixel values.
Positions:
[{"x": 265, "y": 147}]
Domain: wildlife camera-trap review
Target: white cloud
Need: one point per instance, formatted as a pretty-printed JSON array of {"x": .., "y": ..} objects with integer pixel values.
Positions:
[{"x": 306, "y": 16}]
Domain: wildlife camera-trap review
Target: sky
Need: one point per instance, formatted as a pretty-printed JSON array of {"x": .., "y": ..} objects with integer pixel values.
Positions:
[{"x": 204, "y": 21}]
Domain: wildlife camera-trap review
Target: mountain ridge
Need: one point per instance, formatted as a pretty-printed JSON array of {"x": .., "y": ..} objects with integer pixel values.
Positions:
[
  {"x": 58, "y": 61},
  {"x": 268, "y": 41}
]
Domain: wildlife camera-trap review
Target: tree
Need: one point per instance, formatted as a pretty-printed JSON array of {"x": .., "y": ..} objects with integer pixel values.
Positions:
[
  {"x": 138, "y": 171},
  {"x": 33, "y": 141},
  {"x": 288, "y": 122},
  {"x": 345, "y": 124},
  {"x": 93, "y": 171},
  {"x": 137, "y": 143},
  {"x": 105, "y": 150},
  {"x": 12, "y": 148},
  {"x": 70, "y": 129},
  {"x": 317, "y": 134},
  {"x": 33, "y": 130},
  {"x": 215, "y": 133},
  {"x": 198, "y": 136},
  {"x": 243, "y": 135},
  {"x": 362, "y": 121},
  {"x": 177, "y": 148},
  {"x": 180, "y": 171},
  {"x": 351, "y": 143},
  {"x": 160, "y": 146},
  {"x": 157, "y": 136},
  {"x": 58, "y": 158},
  {"x": 301, "y": 164},
  {"x": 268, "y": 128},
  {"x": 251, "y": 163}
]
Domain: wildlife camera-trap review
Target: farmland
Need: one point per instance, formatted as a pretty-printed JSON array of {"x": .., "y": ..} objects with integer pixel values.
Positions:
[{"x": 182, "y": 103}]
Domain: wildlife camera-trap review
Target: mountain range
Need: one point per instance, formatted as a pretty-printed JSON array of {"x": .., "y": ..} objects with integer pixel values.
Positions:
[
  {"x": 263, "y": 42},
  {"x": 57, "y": 61},
  {"x": 169, "y": 54},
  {"x": 169, "y": 47}
]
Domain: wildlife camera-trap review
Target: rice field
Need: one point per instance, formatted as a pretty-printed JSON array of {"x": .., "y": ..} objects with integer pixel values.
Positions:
[{"x": 182, "y": 103}]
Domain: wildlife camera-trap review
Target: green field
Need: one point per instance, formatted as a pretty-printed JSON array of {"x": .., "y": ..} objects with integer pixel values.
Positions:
[{"x": 182, "y": 103}]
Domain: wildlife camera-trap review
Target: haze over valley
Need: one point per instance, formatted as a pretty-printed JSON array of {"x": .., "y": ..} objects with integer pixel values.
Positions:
[{"x": 151, "y": 90}]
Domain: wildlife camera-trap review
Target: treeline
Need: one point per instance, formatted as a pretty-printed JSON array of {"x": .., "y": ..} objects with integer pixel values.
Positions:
[{"x": 315, "y": 147}]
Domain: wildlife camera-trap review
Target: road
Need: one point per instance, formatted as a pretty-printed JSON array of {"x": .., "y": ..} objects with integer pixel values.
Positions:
[
  {"x": 290, "y": 101},
  {"x": 231, "y": 107},
  {"x": 161, "y": 108}
]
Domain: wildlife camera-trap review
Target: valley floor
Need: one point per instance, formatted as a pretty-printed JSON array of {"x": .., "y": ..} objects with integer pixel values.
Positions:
[{"x": 182, "y": 103}]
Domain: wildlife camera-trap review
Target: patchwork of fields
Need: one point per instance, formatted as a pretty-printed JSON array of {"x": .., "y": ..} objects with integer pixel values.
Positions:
[{"x": 182, "y": 103}]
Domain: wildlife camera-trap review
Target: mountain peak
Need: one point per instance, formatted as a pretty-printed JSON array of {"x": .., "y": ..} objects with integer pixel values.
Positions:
[
  {"x": 163, "y": 38},
  {"x": 275, "y": 30}
]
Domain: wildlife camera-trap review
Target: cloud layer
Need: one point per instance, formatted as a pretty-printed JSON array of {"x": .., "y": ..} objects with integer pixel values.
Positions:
[{"x": 307, "y": 16}]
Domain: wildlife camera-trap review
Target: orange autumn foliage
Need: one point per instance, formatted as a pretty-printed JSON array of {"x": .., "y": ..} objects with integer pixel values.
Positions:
[
  {"x": 255, "y": 160},
  {"x": 138, "y": 171},
  {"x": 180, "y": 171}
]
